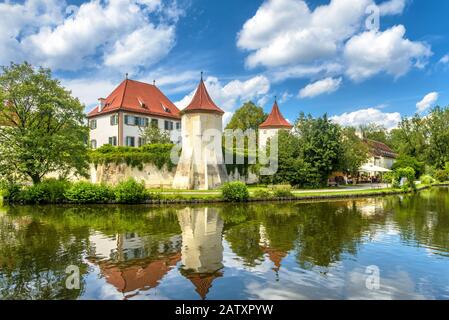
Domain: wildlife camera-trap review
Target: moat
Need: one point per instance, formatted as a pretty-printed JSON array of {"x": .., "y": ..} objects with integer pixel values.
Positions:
[{"x": 303, "y": 250}]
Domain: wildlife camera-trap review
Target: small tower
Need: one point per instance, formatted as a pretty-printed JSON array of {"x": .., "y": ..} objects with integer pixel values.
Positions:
[
  {"x": 201, "y": 164},
  {"x": 272, "y": 125}
]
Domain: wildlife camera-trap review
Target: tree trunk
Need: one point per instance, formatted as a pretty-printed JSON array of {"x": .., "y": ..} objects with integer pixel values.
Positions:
[{"x": 36, "y": 178}]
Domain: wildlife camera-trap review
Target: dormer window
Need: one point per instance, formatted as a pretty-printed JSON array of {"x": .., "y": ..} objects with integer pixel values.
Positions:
[
  {"x": 142, "y": 104},
  {"x": 166, "y": 109}
]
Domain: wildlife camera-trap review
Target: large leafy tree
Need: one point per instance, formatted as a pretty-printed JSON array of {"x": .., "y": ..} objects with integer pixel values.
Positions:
[
  {"x": 438, "y": 137},
  {"x": 44, "y": 128},
  {"x": 319, "y": 143},
  {"x": 410, "y": 138},
  {"x": 248, "y": 116},
  {"x": 355, "y": 151}
]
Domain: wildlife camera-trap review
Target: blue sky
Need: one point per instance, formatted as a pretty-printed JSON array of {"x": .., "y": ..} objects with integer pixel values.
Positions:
[{"x": 315, "y": 56}]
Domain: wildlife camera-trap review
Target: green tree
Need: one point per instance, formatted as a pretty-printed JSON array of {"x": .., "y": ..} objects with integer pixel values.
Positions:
[
  {"x": 45, "y": 127},
  {"x": 354, "y": 151},
  {"x": 153, "y": 135},
  {"x": 438, "y": 137},
  {"x": 319, "y": 144},
  {"x": 248, "y": 116},
  {"x": 405, "y": 161},
  {"x": 410, "y": 138},
  {"x": 375, "y": 132}
]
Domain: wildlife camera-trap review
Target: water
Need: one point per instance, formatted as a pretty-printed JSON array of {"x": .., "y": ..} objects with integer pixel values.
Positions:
[{"x": 320, "y": 250}]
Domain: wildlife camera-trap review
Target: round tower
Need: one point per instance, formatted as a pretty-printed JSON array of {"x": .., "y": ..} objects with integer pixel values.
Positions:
[
  {"x": 201, "y": 164},
  {"x": 270, "y": 127}
]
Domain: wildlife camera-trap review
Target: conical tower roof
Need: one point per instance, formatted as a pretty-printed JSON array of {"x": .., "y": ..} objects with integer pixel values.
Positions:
[
  {"x": 275, "y": 119},
  {"x": 202, "y": 102}
]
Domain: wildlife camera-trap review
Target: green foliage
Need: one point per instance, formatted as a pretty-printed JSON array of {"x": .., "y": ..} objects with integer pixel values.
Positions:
[
  {"x": 10, "y": 191},
  {"x": 388, "y": 177},
  {"x": 354, "y": 151},
  {"x": 235, "y": 191},
  {"x": 249, "y": 116},
  {"x": 86, "y": 192},
  {"x": 157, "y": 154},
  {"x": 283, "y": 192},
  {"x": 44, "y": 126},
  {"x": 262, "y": 194},
  {"x": 405, "y": 161},
  {"x": 47, "y": 191},
  {"x": 427, "y": 179},
  {"x": 153, "y": 135},
  {"x": 409, "y": 175},
  {"x": 441, "y": 175},
  {"x": 130, "y": 191},
  {"x": 375, "y": 132},
  {"x": 424, "y": 138}
]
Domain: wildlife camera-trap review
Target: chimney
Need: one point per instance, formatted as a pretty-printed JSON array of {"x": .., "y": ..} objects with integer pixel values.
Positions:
[{"x": 101, "y": 104}]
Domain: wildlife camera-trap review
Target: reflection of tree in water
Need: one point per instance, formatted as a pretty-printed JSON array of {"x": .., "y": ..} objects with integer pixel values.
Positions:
[
  {"x": 38, "y": 243},
  {"x": 327, "y": 230},
  {"x": 424, "y": 218},
  {"x": 320, "y": 232},
  {"x": 34, "y": 257}
]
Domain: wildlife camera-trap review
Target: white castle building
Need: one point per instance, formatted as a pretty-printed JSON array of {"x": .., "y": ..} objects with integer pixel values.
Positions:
[{"x": 119, "y": 119}]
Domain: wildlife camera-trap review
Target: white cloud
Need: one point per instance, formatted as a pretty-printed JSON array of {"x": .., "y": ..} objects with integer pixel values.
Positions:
[
  {"x": 320, "y": 87},
  {"x": 427, "y": 102},
  {"x": 89, "y": 90},
  {"x": 235, "y": 92},
  {"x": 372, "y": 52},
  {"x": 444, "y": 59},
  {"x": 146, "y": 45},
  {"x": 62, "y": 37},
  {"x": 392, "y": 7},
  {"x": 292, "y": 40},
  {"x": 367, "y": 116}
]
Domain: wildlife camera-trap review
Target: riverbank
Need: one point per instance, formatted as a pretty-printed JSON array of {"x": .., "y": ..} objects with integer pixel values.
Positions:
[{"x": 195, "y": 197}]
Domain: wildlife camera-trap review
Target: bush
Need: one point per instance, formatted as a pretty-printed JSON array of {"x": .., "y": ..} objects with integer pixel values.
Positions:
[
  {"x": 407, "y": 173},
  {"x": 48, "y": 191},
  {"x": 130, "y": 191},
  {"x": 441, "y": 175},
  {"x": 283, "y": 192},
  {"x": 262, "y": 194},
  {"x": 427, "y": 179},
  {"x": 235, "y": 191},
  {"x": 86, "y": 192},
  {"x": 10, "y": 191}
]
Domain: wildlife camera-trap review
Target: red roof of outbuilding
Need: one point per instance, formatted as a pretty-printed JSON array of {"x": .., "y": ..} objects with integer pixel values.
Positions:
[
  {"x": 202, "y": 102},
  {"x": 275, "y": 119},
  {"x": 138, "y": 97}
]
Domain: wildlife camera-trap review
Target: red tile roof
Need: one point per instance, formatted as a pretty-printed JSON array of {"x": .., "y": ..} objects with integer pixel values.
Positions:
[
  {"x": 275, "y": 119},
  {"x": 202, "y": 102},
  {"x": 380, "y": 149},
  {"x": 138, "y": 97}
]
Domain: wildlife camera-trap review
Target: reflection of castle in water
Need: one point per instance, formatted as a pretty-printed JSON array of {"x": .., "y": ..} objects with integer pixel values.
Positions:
[
  {"x": 131, "y": 262},
  {"x": 273, "y": 254},
  {"x": 202, "y": 248}
]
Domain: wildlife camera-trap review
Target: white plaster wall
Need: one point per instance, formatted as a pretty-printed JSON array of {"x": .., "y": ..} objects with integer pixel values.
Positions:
[
  {"x": 136, "y": 132},
  {"x": 112, "y": 174},
  {"x": 104, "y": 130}
]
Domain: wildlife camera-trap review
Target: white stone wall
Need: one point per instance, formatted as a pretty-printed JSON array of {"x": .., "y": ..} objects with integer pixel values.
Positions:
[
  {"x": 112, "y": 174},
  {"x": 104, "y": 130}
]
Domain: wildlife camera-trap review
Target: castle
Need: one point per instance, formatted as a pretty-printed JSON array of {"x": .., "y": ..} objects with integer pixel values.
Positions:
[{"x": 119, "y": 119}]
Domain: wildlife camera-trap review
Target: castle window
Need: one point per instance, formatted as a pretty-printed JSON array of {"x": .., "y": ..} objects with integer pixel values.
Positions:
[
  {"x": 114, "y": 120},
  {"x": 130, "y": 141},
  {"x": 113, "y": 141},
  {"x": 93, "y": 124},
  {"x": 168, "y": 125},
  {"x": 93, "y": 144}
]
